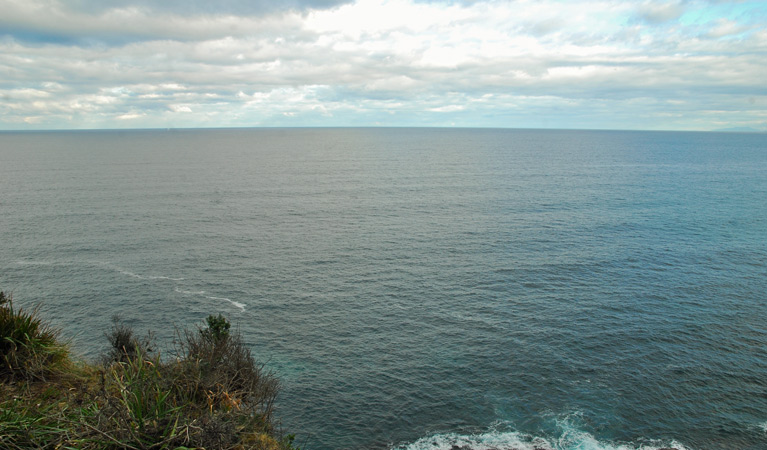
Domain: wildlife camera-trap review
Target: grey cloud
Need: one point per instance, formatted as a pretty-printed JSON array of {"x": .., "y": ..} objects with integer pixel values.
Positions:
[
  {"x": 197, "y": 7},
  {"x": 657, "y": 12},
  {"x": 37, "y": 24},
  {"x": 546, "y": 26}
]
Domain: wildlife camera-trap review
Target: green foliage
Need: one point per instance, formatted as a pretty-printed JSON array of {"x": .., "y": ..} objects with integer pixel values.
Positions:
[
  {"x": 212, "y": 396},
  {"x": 138, "y": 407},
  {"x": 23, "y": 427},
  {"x": 207, "y": 397},
  {"x": 29, "y": 349},
  {"x": 218, "y": 367},
  {"x": 287, "y": 442},
  {"x": 218, "y": 328}
]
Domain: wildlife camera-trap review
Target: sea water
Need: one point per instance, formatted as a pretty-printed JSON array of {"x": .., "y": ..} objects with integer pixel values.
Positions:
[{"x": 422, "y": 288}]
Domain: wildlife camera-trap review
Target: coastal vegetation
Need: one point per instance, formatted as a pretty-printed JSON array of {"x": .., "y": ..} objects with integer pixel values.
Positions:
[{"x": 211, "y": 394}]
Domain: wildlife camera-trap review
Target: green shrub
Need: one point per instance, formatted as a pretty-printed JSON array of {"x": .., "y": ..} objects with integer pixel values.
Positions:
[
  {"x": 218, "y": 328},
  {"x": 29, "y": 349},
  {"x": 218, "y": 367},
  {"x": 213, "y": 395}
]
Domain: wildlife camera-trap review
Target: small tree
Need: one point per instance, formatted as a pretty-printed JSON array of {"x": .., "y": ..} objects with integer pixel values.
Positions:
[{"x": 218, "y": 328}]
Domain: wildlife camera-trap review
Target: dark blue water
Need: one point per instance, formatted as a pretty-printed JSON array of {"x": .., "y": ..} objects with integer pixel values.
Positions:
[{"x": 423, "y": 288}]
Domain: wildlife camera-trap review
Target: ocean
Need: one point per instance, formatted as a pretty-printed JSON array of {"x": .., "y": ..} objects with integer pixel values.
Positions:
[{"x": 437, "y": 289}]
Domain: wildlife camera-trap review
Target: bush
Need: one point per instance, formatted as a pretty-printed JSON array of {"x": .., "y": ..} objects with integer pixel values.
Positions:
[
  {"x": 217, "y": 366},
  {"x": 213, "y": 395},
  {"x": 123, "y": 343},
  {"x": 137, "y": 404},
  {"x": 29, "y": 349}
]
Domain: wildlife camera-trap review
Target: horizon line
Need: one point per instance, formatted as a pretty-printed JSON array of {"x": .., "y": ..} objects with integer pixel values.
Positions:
[{"x": 744, "y": 130}]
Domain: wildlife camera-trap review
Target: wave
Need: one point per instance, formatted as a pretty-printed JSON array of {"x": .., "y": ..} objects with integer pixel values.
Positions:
[
  {"x": 486, "y": 441},
  {"x": 570, "y": 439}
]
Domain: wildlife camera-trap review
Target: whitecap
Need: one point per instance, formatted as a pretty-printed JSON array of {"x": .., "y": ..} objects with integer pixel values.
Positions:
[
  {"x": 512, "y": 440},
  {"x": 486, "y": 441}
]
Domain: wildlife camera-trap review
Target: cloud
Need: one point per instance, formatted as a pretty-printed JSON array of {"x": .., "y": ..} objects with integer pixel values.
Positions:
[
  {"x": 198, "y": 7},
  {"x": 54, "y": 22},
  {"x": 660, "y": 11},
  {"x": 727, "y": 27},
  {"x": 595, "y": 63}
]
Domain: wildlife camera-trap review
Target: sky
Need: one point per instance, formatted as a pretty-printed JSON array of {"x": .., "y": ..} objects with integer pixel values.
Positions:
[{"x": 593, "y": 64}]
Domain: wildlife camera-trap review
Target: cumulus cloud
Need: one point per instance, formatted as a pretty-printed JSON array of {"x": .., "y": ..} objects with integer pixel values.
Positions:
[{"x": 593, "y": 63}]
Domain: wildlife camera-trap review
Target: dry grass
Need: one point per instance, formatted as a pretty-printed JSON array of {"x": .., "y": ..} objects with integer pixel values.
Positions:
[{"x": 213, "y": 396}]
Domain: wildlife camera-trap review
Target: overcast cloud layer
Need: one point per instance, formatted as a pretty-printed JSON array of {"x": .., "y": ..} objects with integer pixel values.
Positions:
[{"x": 686, "y": 65}]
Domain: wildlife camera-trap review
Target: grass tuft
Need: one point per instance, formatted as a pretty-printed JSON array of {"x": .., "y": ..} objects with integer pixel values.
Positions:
[
  {"x": 213, "y": 395},
  {"x": 29, "y": 348}
]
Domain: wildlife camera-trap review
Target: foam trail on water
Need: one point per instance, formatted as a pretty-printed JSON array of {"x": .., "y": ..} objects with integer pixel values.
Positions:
[
  {"x": 140, "y": 277},
  {"x": 210, "y": 297},
  {"x": 146, "y": 277},
  {"x": 152, "y": 277},
  {"x": 181, "y": 291},
  {"x": 130, "y": 274},
  {"x": 237, "y": 304}
]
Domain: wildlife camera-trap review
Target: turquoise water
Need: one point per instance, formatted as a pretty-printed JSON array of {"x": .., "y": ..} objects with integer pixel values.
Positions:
[{"x": 423, "y": 288}]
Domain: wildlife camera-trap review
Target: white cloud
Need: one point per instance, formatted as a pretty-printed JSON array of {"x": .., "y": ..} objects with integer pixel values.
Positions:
[
  {"x": 129, "y": 116},
  {"x": 181, "y": 108},
  {"x": 727, "y": 27},
  {"x": 378, "y": 61},
  {"x": 24, "y": 94},
  {"x": 448, "y": 108}
]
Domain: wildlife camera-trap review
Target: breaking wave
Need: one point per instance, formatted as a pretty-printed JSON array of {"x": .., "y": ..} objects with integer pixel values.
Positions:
[{"x": 569, "y": 438}]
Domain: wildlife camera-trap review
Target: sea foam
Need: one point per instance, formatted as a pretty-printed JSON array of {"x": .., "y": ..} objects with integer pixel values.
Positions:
[
  {"x": 239, "y": 305},
  {"x": 512, "y": 440}
]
